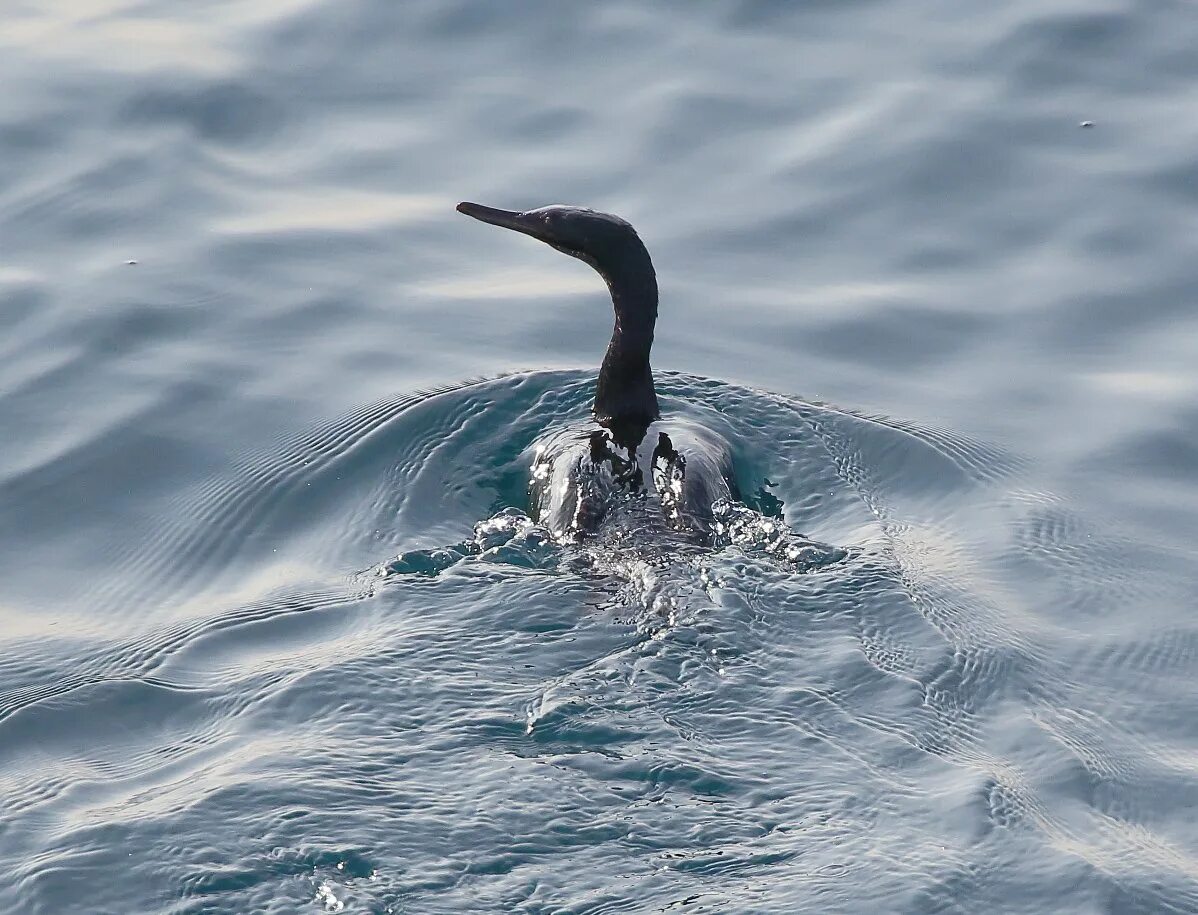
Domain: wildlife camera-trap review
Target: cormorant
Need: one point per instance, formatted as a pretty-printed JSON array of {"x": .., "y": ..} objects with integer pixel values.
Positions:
[{"x": 576, "y": 476}]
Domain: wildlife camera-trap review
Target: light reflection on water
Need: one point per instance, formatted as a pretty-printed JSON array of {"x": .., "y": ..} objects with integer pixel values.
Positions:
[{"x": 209, "y": 702}]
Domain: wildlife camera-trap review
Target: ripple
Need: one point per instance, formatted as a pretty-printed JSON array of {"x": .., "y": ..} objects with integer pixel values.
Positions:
[{"x": 250, "y": 669}]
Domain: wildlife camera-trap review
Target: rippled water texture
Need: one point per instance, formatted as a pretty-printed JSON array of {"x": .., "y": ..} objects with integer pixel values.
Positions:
[{"x": 275, "y": 633}]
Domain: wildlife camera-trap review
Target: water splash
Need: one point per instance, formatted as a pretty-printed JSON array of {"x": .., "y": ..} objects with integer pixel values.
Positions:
[
  {"x": 508, "y": 538},
  {"x": 744, "y": 527}
]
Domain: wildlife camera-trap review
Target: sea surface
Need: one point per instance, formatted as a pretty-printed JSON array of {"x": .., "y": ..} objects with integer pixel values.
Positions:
[{"x": 276, "y": 634}]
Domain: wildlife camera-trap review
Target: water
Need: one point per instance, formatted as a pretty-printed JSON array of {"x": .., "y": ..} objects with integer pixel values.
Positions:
[{"x": 242, "y": 335}]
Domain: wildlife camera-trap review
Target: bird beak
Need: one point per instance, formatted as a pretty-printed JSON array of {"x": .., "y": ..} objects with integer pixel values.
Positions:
[{"x": 508, "y": 219}]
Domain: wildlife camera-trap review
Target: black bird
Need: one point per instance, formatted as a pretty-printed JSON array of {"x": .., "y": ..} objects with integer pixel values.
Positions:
[{"x": 578, "y": 478}]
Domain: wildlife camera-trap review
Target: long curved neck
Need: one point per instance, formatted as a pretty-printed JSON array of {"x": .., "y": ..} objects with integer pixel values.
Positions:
[{"x": 625, "y": 399}]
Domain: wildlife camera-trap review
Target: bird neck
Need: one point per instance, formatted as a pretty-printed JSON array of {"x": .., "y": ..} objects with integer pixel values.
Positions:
[{"x": 625, "y": 399}]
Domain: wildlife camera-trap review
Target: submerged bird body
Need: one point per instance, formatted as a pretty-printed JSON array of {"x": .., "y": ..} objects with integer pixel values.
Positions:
[{"x": 578, "y": 473}]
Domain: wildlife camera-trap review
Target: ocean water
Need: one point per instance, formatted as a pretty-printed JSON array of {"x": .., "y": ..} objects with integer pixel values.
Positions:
[{"x": 275, "y": 636}]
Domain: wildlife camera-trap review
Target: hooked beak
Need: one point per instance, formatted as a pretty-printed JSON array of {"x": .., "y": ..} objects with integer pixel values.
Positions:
[{"x": 508, "y": 219}]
